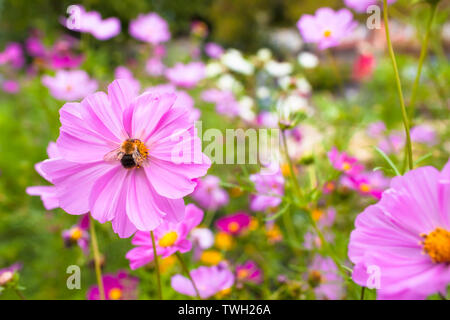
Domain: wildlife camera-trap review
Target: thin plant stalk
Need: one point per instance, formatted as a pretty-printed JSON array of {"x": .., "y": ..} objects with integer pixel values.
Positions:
[
  {"x": 399, "y": 87},
  {"x": 21, "y": 296},
  {"x": 423, "y": 55},
  {"x": 158, "y": 275},
  {"x": 96, "y": 252},
  {"x": 186, "y": 270}
]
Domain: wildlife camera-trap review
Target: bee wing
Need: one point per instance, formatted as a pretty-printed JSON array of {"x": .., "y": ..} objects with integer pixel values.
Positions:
[
  {"x": 114, "y": 155},
  {"x": 138, "y": 158}
]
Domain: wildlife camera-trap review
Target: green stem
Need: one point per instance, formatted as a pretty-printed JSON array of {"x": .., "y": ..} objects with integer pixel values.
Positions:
[
  {"x": 158, "y": 275},
  {"x": 96, "y": 252},
  {"x": 291, "y": 166},
  {"x": 363, "y": 290},
  {"x": 21, "y": 296},
  {"x": 423, "y": 54},
  {"x": 186, "y": 270},
  {"x": 399, "y": 86}
]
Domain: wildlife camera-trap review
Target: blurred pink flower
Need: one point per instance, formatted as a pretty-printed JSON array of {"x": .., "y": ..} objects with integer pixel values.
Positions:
[
  {"x": 376, "y": 129},
  {"x": 209, "y": 194},
  {"x": 150, "y": 28},
  {"x": 234, "y": 223},
  {"x": 10, "y": 86},
  {"x": 78, "y": 234},
  {"x": 371, "y": 183},
  {"x": 7, "y": 274},
  {"x": 70, "y": 85},
  {"x": 12, "y": 55},
  {"x": 363, "y": 66},
  {"x": 393, "y": 143},
  {"x": 155, "y": 67},
  {"x": 362, "y": 5},
  {"x": 170, "y": 237},
  {"x": 249, "y": 272},
  {"x": 424, "y": 134},
  {"x": 344, "y": 163},
  {"x": 35, "y": 47},
  {"x": 138, "y": 191},
  {"x": 122, "y": 72},
  {"x": 213, "y": 50},
  {"x": 186, "y": 75},
  {"x": 324, "y": 278},
  {"x": 47, "y": 193},
  {"x": 269, "y": 190},
  {"x": 406, "y": 237},
  {"x": 225, "y": 101},
  {"x": 327, "y": 27},
  {"x": 64, "y": 60},
  {"x": 208, "y": 280},
  {"x": 120, "y": 286}
]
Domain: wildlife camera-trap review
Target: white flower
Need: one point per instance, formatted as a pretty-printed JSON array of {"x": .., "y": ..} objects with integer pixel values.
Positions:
[
  {"x": 263, "y": 92},
  {"x": 234, "y": 60},
  {"x": 308, "y": 60},
  {"x": 203, "y": 237},
  {"x": 214, "y": 69},
  {"x": 227, "y": 82},
  {"x": 264, "y": 54},
  {"x": 278, "y": 69},
  {"x": 245, "y": 111}
]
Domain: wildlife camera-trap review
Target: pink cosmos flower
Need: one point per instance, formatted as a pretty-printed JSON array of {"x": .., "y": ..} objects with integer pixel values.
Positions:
[
  {"x": 208, "y": 280},
  {"x": 64, "y": 60},
  {"x": 7, "y": 274},
  {"x": 269, "y": 190},
  {"x": 122, "y": 72},
  {"x": 186, "y": 75},
  {"x": 327, "y": 27},
  {"x": 70, "y": 85},
  {"x": 225, "y": 101},
  {"x": 126, "y": 159},
  {"x": 170, "y": 237},
  {"x": 209, "y": 194},
  {"x": 47, "y": 193},
  {"x": 184, "y": 100},
  {"x": 213, "y": 50},
  {"x": 120, "y": 286},
  {"x": 376, "y": 129},
  {"x": 404, "y": 239},
  {"x": 424, "y": 134},
  {"x": 393, "y": 143},
  {"x": 12, "y": 55},
  {"x": 150, "y": 28},
  {"x": 155, "y": 67},
  {"x": 92, "y": 22},
  {"x": 78, "y": 234},
  {"x": 362, "y": 5},
  {"x": 35, "y": 47},
  {"x": 323, "y": 276},
  {"x": 371, "y": 183},
  {"x": 344, "y": 163},
  {"x": 10, "y": 86},
  {"x": 249, "y": 272},
  {"x": 234, "y": 223}
]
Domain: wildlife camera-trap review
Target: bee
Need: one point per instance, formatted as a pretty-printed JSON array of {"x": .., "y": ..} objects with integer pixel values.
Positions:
[{"x": 132, "y": 153}]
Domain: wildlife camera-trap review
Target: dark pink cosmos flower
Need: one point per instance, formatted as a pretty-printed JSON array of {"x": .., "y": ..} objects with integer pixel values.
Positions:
[
  {"x": 249, "y": 272},
  {"x": 10, "y": 86},
  {"x": 78, "y": 234},
  {"x": 120, "y": 286},
  {"x": 12, "y": 55},
  {"x": 234, "y": 223},
  {"x": 344, "y": 163},
  {"x": 370, "y": 183},
  {"x": 126, "y": 159},
  {"x": 401, "y": 245},
  {"x": 169, "y": 238},
  {"x": 47, "y": 193}
]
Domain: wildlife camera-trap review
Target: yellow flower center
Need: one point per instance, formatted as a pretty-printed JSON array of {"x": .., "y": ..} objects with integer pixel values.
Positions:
[
  {"x": 365, "y": 187},
  {"x": 437, "y": 245},
  {"x": 346, "y": 166},
  {"x": 224, "y": 241},
  {"x": 242, "y": 274},
  {"x": 223, "y": 293},
  {"x": 68, "y": 88},
  {"x": 168, "y": 239},
  {"x": 316, "y": 214},
  {"x": 233, "y": 226},
  {"x": 115, "y": 294},
  {"x": 211, "y": 257},
  {"x": 327, "y": 33},
  {"x": 76, "y": 233}
]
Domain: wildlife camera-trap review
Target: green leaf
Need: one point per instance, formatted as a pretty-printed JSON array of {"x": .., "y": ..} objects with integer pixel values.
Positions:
[
  {"x": 279, "y": 213},
  {"x": 388, "y": 160}
]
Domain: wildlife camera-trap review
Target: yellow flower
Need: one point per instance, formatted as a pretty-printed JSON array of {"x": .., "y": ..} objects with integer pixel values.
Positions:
[
  {"x": 211, "y": 257},
  {"x": 224, "y": 241}
]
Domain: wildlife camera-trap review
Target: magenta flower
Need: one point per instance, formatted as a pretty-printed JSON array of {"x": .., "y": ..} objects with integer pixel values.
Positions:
[
  {"x": 225, "y": 101},
  {"x": 70, "y": 85},
  {"x": 126, "y": 159},
  {"x": 213, "y": 50},
  {"x": 371, "y": 183},
  {"x": 344, "y": 163},
  {"x": 35, "y": 47},
  {"x": 424, "y": 134},
  {"x": 327, "y": 27},
  {"x": 269, "y": 190},
  {"x": 92, "y": 22},
  {"x": 150, "y": 28},
  {"x": 393, "y": 143},
  {"x": 234, "y": 223},
  {"x": 184, "y": 100},
  {"x": 208, "y": 280},
  {"x": 10, "y": 86},
  {"x": 7, "y": 274},
  {"x": 120, "y": 286},
  {"x": 186, "y": 75},
  {"x": 324, "y": 277},
  {"x": 401, "y": 245},
  {"x": 362, "y": 5},
  {"x": 209, "y": 194},
  {"x": 12, "y": 55},
  {"x": 78, "y": 234},
  {"x": 47, "y": 193},
  {"x": 249, "y": 272},
  {"x": 169, "y": 238}
]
